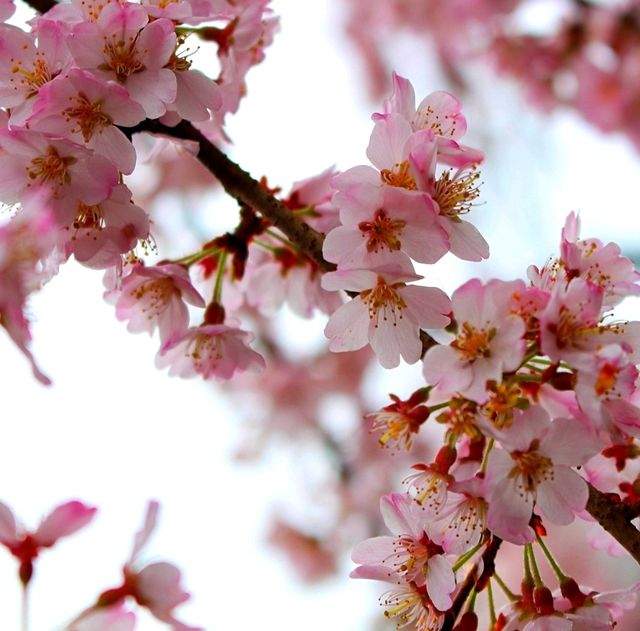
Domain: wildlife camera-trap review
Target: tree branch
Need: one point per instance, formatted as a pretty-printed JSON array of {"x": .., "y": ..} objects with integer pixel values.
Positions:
[
  {"x": 240, "y": 185},
  {"x": 615, "y": 519},
  {"x": 471, "y": 580}
]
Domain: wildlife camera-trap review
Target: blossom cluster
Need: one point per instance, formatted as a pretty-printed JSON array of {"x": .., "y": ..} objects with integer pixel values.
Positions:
[
  {"x": 409, "y": 206},
  {"x": 73, "y": 91},
  {"x": 537, "y": 380},
  {"x": 154, "y": 586}
]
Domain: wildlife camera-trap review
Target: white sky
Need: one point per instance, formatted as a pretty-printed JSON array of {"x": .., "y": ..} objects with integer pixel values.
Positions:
[{"x": 113, "y": 431}]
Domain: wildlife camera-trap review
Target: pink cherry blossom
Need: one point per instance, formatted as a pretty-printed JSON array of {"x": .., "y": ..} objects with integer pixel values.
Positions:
[
  {"x": 533, "y": 465},
  {"x": 606, "y": 381},
  {"x": 281, "y": 276},
  {"x": 156, "y": 297},
  {"x": 489, "y": 340},
  {"x": 27, "y": 64},
  {"x": 99, "y": 234},
  {"x": 410, "y": 556},
  {"x": 155, "y": 586},
  {"x": 112, "y": 619},
  {"x": 387, "y": 313},
  {"x": 210, "y": 350},
  {"x": 36, "y": 163},
  {"x": 122, "y": 46},
  {"x": 26, "y": 242},
  {"x": 81, "y": 108},
  {"x": 26, "y": 545},
  {"x": 380, "y": 221},
  {"x": 439, "y": 111},
  {"x": 597, "y": 263}
]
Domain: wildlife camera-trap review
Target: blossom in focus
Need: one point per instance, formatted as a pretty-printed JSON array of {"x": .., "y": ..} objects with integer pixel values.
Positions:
[
  {"x": 387, "y": 313},
  {"x": 489, "y": 340}
]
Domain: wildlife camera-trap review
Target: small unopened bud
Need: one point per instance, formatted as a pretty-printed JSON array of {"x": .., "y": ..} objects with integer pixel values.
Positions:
[
  {"x": 543, "y": 601},
  {"x": 214, "y": 314},
  {"x": 570, "y": 590},
  {"x": 445, "y": 458},
  {"x": 468, "y": 622}
]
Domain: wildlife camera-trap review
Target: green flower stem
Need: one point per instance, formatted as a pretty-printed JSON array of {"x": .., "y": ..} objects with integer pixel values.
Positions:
[{"x": 552, "y": 562}]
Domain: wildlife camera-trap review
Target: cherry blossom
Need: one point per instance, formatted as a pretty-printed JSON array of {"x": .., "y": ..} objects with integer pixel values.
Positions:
[
  {"x": 209, "y": 350},
  {"x": 410, "y": 556},
  {"x": 489, "y": 340},
  {"x": 533, "y": 465},
  {"x": 26, "y": 545},
  {"x": 156, "y": 297},
  {"x": 387, "y": 313}
]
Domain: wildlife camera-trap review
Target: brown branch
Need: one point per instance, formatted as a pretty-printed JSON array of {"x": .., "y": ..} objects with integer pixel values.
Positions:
[
  {"x": 240, "y": 185},
  {"x": 41, "y": 6},
  {"x": 615, "y": 519},
  {"x": 472, "y": 579}
]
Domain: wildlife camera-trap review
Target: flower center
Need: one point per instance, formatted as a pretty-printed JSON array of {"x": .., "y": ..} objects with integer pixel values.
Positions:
[
  {"x": 51, "y": 168},
  {"x": 531, "y": 468},
  {"x": 122, "y": 58},
  {"x": 88, "y": 218},
  {"x": 606, "y": 380},
  {"x": 35, "y": 78},
  {"x": 474, "y": 343},
  {"x": 428, "y": 119},
  {"x": 382, "y": 231},
  {"x": 88, "y": 116},
  {"x": 456, "y": 193},
  {"x": 384, "y": 298},
  {"x": 155, "y": 295},
  {"x": 399, "y": 176}
]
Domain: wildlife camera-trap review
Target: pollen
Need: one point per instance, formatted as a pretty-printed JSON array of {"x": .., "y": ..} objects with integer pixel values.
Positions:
[
  {"x": 51, "y": 168},
  {"x": 474, "y": 343},
  {"x": 384, "y": 299},
  {"x": 32, "y": 79},
  {"x": 122, "y": 58},
  {"x": 456, "y": 193},
  {"x": 383, "y": 232},
  {"x": 399, "y": 176},
  {"x": 531, "y": 468},
  {"x": 88, "y": 116}
]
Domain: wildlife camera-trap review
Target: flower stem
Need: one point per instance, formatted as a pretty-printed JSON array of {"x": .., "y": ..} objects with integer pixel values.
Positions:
[
  {"x": 217, "y": 289},
  {"x": 492, "y": 606},
  {"x": 552, "y": 562},
  {"x": 534, "y": 566},
  {"x": 24, "y": 626},
  {"x": 466, "y": 556},
  {"x": 503, "y": 586}
]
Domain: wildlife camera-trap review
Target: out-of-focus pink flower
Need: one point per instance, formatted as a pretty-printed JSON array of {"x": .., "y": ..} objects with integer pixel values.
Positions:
[
  {"x": 156, "y": 586},
  {"x": 154, "y": 297},
  {"x": 112, "y": 619},
  {"x": 209, "y": 350},
  {"x": 25, "y": 545}
]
